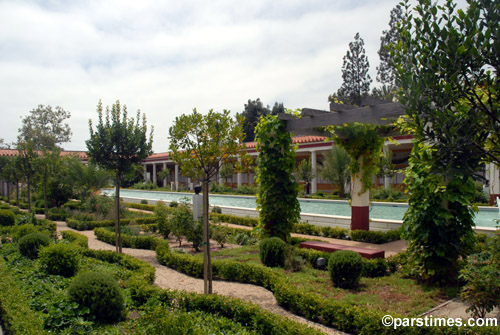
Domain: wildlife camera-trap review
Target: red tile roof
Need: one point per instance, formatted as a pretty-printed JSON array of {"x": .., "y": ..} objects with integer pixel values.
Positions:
[
  {"x": 296, "y": 140},
  {"x": 15, "y": 152},
  {"x": 8, "y": 152}
]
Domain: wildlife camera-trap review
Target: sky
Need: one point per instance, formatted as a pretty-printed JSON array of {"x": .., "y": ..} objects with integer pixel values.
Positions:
[{"x": 168, "y": 57}]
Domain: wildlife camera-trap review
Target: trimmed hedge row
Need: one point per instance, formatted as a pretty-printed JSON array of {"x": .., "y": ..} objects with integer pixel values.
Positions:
[
  {"x": 331, "y": 313},
  {"x": 310, "y": 229},
  {"x": 90, "y": 225},
  {"x": 128, "y": 241},
  {"x": 79, "y": 239},
  {"x": 248, "y": 314},
  {"x": 375, "y": 237},
  {"x": 233, "y": 219},
  {"x": 15, "y": 313},
  {"x": 144, "y": 207}
]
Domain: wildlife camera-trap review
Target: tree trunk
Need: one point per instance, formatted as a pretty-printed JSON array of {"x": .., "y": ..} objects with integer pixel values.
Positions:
[
  {"x": 118, "y": 229},
  {"x": 207, "y": 263}
]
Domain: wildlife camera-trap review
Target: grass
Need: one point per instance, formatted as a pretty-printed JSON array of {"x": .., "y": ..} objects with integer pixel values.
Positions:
[{"x": 391, "y": 294}]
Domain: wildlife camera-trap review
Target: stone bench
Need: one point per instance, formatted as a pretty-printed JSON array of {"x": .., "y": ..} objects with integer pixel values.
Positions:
[{"x": 331, "y": 247}]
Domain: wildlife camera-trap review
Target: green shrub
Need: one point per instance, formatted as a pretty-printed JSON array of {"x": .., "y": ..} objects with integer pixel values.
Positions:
[
  {"x": 345, "y": 268},
  {"x": 216, "y": 209},
  {"x": 139, "y": 206},
  {"x": 173, "y": 204},
  {"x": 144, "y": 202},
  {"x": 272, "y": 252},
  {"x": 60, "y": 259},
  {"x": 100, "y": 293},
  {"x": 194, "y": 234},
  {"x": 57, "y": 214},
  {"x": 376, "y": 267},
  {"x": 375, "y": 237},
  {"x": 7, "y": 217},
  {"x": 30, "y": 244},
  {"x": 73, "y": 204},
  {"x": 23, "y": 230},
  {"x": 79, "y": 239},
  {"x": 220, "y": 234},
  {"x": 128, "y": 241},
  {"x": 161, "y": 214}
]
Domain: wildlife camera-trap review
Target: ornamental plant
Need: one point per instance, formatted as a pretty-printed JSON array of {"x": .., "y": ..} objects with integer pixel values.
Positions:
[
  {"x": 345, "y": 267},
  {"x": 277, "y": 191}
]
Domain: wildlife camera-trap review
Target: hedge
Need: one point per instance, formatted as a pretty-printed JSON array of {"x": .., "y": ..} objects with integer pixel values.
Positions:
[
  {"x": 339, "y": 315},
  {"x": 375, "y": 237},
  {"x": 128, "y": 241},
  {"x": 71, "y": 236},
  {"x": 90, "y": 225},
  {"x": 144, "y": 207},
  {"x": 310, "y": 229},
  {"x": 15, "y": 313}
]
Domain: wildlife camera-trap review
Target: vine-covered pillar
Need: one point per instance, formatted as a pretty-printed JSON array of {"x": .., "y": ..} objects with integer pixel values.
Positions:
[{"x": 360, "y": 201}]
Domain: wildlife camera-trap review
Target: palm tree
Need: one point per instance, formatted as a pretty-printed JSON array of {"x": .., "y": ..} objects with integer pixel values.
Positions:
[
  {"x": 88, "y": 178},
  {"x": 336, "y": 168}
]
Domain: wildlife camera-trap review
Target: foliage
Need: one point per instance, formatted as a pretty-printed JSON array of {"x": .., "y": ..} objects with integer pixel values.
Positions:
[
  {"x": 27, "y": 165},
  {"x": 181, "y": 222},
  {"x": 364, "y": 145},
  {"x": 386, "y": 70},
  {"x": 161, "y": 214},
  {"x": 100, "y": 293},
  {"x": 30, "y": 245},
  {"x": 336, "y": 168},
  {"x": 345, "y": 267},
  {"x": 23, "y": 230},
  {"x": 254, "y": 110},
  {"x": 219, "y": 234},
  {"x": 226, "y": 171},
  {"x": 390, "y": 194},
  {"x": 438, "y": 223},
  {"x": 7, "y": 217},
  {"x": 57, "y": 214},
  {"x": 129, "y": 241},
  {"x": 356, "y": 80},
  {"x": 194, "y": 234},
  {"x": 375, "y": 237},
  {"x": 59, "y": 259},
  {"x": 481, "y": 273},
  {"x": 376, "y": 267},
  {"x": 272, "y": 252},
  {"x": 447, "y": 67},
  {"x": 305, "y": 172},
  {"x": 87, "y": 178},
  {"x": 117, "y": 145},
  {"x": 277, "y": 192}
]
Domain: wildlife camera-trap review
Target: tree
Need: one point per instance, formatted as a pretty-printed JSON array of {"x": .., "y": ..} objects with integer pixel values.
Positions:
[
  {"x": 447, "y": 68},
  {"x": 356, "y": 80},
  {"x": 45, "y": 129},
  {"x": 277, "y": 190},
  {"x": 87, "y": 178},
  {"x": 27, "y": 164},
  {"x": 199, "y": 144},
  {"x": 116, "y": 145},
  {"x": 226, "y": 171},
  {"x": 386, "y": 70},
  {"x": 254, "y": 110},
  {"x": 164, "y": 174},
  {"x": 305, "y": 173},
  {"x": 336, "y": 168}
]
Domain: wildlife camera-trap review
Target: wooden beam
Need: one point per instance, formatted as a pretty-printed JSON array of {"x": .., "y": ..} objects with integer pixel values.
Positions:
[
  {"x": 312, "y": 112},
  {"x": 372, "y": 115}
]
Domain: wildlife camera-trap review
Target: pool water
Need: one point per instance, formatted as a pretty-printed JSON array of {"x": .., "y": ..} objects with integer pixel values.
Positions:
[{"x": 388, "y": 211}]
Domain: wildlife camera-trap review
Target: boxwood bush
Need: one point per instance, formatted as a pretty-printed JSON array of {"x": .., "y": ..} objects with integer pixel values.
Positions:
[
  {"x": 29, "y": 245},
  {"x": 100, "y": 293},
  {"x": 60, "y": 259},
  {"x": 272, "y": 252},
  {"x": 375, "y": 237},
  {"x": 345, "y": 268},
  {"x": 7, "y": 217}
]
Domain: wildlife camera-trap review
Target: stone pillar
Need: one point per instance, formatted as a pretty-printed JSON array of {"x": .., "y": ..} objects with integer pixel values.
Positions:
[
  {"x": 154, "y": 174},
  {"x": 145, "y": 172},
  {"x": 165, "y": 179},
  {"x": 387, "y": 179},
  {"x": 494, "y": 179},
  {"x": 314, "y": 182},
  {"x": 176, "y": 177},
  {"x": 360, "y": 203},
  {"x": 221, "y": 180},
  {"x": 190, "y": 184},
  {"x": 238, "y": 175}
]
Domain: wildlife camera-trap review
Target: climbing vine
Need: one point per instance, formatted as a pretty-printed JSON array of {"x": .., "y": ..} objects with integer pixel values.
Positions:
[
  {"x": 277, "y": 190},
  {"x": 361, "y": 141}
]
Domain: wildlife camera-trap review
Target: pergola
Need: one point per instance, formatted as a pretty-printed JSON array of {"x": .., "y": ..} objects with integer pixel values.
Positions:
[{"x": 370, "y": 111}]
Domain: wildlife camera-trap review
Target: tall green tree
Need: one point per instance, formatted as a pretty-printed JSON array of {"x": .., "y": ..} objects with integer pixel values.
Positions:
[
  {"x": 27, "y": 164},
  {"x": 46, "y": 129},
  {"x": 386, "y": 69},
  {"x": 199, "y": 144},
  {"x": 448, "y": 62},
  {"x": 254, "y": 110},
  {"x": 118, "y": 143},
  {"x": 336, "y": 168},
  {"x": 87, "y": 178},
  {"x": 277, "y": 190},
  {"x": 356, "y": 80}
]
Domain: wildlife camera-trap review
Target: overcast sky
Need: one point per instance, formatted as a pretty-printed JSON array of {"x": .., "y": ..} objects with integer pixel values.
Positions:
[{"x": 167, "y": 57}]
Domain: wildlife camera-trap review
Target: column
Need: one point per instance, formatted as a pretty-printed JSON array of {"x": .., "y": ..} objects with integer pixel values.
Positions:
[
  {"x": 176, "y": 177},
  {"x": 165, "y": 179},
  {"x": 314, "y": 186},
  {"x": 387, "y": 179},
  {"x": 190, "y": 184},
  {"x": 221, "y": 180},
  {"x": 238, "y": 174},
  {"x": 145, "y": 172},
  {"x": 360, "y": 203},
  {"x": 494, "y": 183},
  {"x": 154, "y": 174}
]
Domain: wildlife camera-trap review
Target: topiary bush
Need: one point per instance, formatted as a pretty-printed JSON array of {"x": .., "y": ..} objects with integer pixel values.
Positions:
[
  {"x": 272, "y": 252},
  {"x": 30, "y": 244},
  {"x": 100, "y": 293},
  {"x": 60, "y": 259},
  {"x": 7, "y": 217},
  {"x": 345, "y": 267},
  {"x": 23, "y": 230}
]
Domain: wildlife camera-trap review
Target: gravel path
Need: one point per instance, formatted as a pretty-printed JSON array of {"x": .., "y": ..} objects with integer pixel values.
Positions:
[{"x": 169, "y": 279}]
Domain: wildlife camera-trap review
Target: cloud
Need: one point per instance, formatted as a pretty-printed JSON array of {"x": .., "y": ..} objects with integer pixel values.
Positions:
[{"x": 167, "y": 57}]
